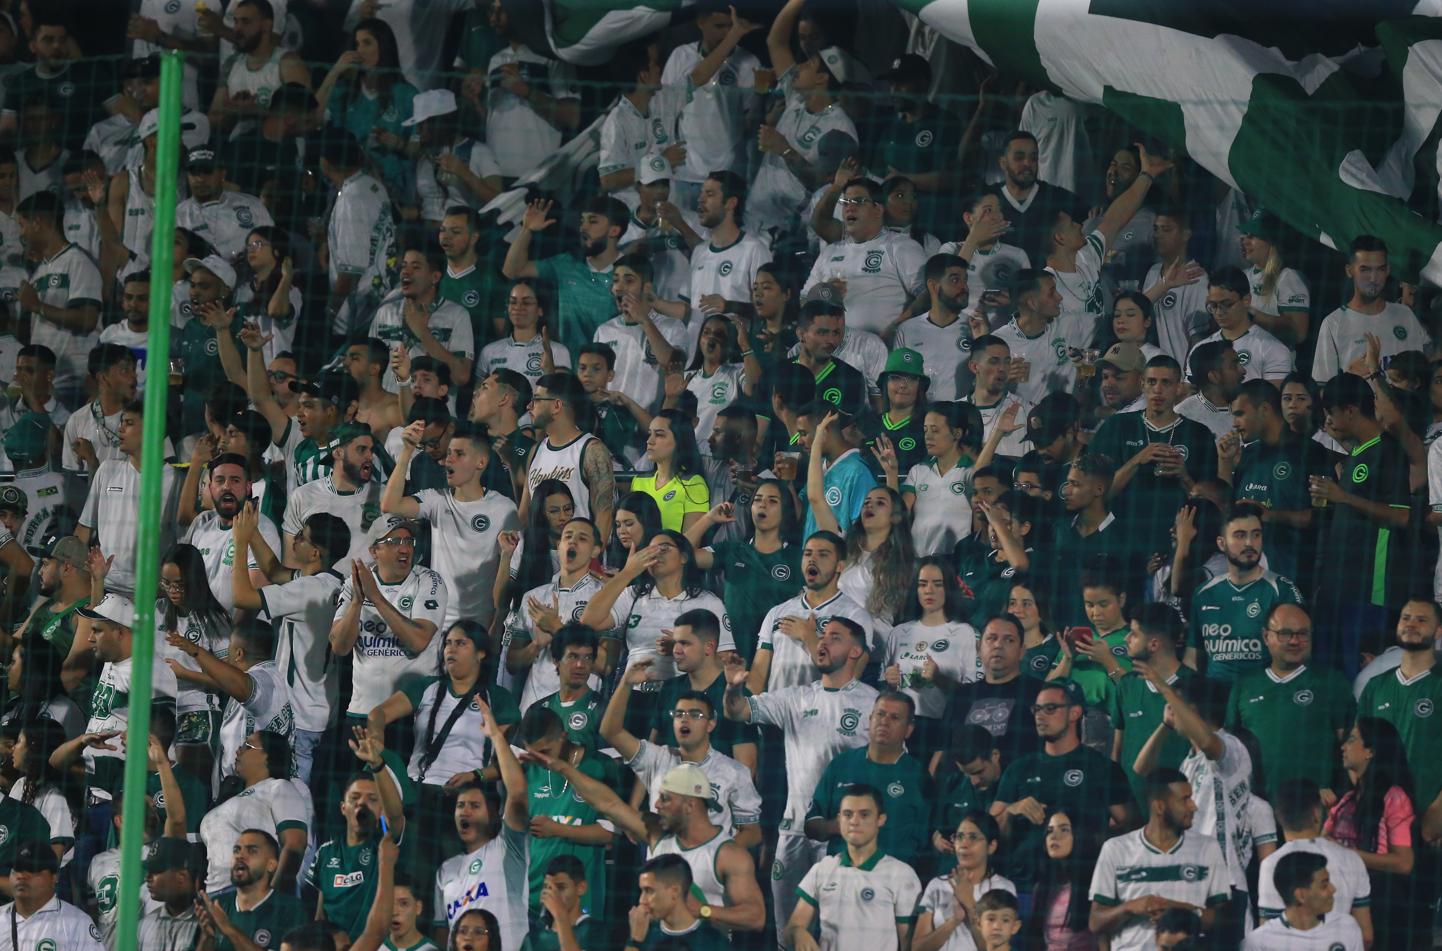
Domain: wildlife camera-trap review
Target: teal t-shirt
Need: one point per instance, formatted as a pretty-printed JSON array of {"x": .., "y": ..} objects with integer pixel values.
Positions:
[{"x": 582, "y": 294}]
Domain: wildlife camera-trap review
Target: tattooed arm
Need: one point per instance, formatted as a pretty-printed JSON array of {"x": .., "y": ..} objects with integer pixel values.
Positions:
[{"x": 600, "y": 479}]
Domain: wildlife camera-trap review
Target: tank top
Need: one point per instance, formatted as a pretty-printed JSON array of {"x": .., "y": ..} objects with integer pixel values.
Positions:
[
  {"x": 260, "y": 83},
  {"x": 564, "y": 465},
  {"x": 705, "y": 884},
  {"x": 139, "y": 217}
]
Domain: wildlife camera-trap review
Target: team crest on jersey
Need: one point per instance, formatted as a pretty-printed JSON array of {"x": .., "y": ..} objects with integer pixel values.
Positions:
[
  {"x": 810, "y": 136},
  {"x": 1400, "y": 333},
  {"x": 632, "y": 621},
  {"x": 1303, "y": 698},
  {"x": 725, "y": 268},
  {"x": 906, "y": 444},
  {"x": 1073, "y": 777},
  {"x": 243, "y": 217},
  {"x": 727, "y": 77},
  {"x": 958, "y": 489},
  {"x": 669, "y": 496},
  {"x": 578, "y": 720},
  {"x": 719, "y": 392},
  {"x": 577, "y": 611},
  {"x": 781, "y": 572},
  {"x": 1281, "y": 470},
  {"x": 941, "y": 645},
  {"x": 1423, "y": 708},
  {"x": 48, "y": 944},
  {"x": 1254, "y": 609},
  {"x": 1170, "y": 300},
  {"x": 1061, "y": 349},
  {"x": 832, "y": 396},
  {"x": 66, "y": 90},
  {"x": 476, "y": 704},
  {"x": 833, "y": 495},
  {"x": 365, "y": 857},
  {"x": 1040, "y": 663},
  {"x": 406, "y": 602},
  {"x": 481, "y": 522},
  {"x": 172, "y": 6},
  {"x": 867, "y": 894},
  {"x": 921, "y": 647},
  {"x": 872, "y": 264},
  {"x": 1244, "y": 357},
  {"x": 924, "y": 138},
  {"x": 850, "y": 720},
  {"x": 475, "y": 867},
  {"x": 963, "y": 344},
  {"x": 533, "y": 363},
  {"x": 777, "y": 870},
  {"x": 1359, "y": 474},
  {"x": 262, "y": 938},
  {"x": 211, "y": 348}
]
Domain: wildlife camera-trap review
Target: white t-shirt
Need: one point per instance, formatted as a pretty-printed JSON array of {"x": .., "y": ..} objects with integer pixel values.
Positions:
[
  {"x": 1222, "y": 790},
  {"x": 543, "y": 680},
  {"x": 860, "y": 906},
  {"x": 103, "y": 433},
  {"x": 68, "y": 278},
  {"x": 1051, "y": 368},
  {"x": 713, "y": 394},
  {"x": 274, "y": 805},
  {"x": 267, "y": 708},
  {"x": 1262, "y": 356},
  {"x": 493, "y": 877},
  {"x": 776, "y": 195},
  {"x": 110, "y": 705},
  {"x": 642, "y": 618},
  {"x": 1178, "y": 314},
  {"x": 637, "y": 373},
  {"x": 103, "y": 881},
  {"x": 791, "y": 664},
  {"x": 463, "y": 748},
  {"x": 944, "y": 351},
  {"x": 1289, "y": 292},
  {"x": 1081, "y": 291},
  {"x": 112, "y": 513},
  {"x": 1344, "y": 868},
  {"x": 939, "y": 901},
  {"x": 713, "y": 119},
  {"x": 738, "y": 802},
  {"x": 225, "y": 222},
  {"x": 464, "y": 549},
  {"x": 941, "y": 514},
  {"x": 449, "y": 323},
  {"x": 951, "y": 645},
  {"x": 519, "y": 136},
  {"x": 881, "y": 275},
  {"x": 1192, "y": 871},
  {"x": 727, "y": 271},
  {"x": 1342, "y": 337},
  {"x": 305, "y": 608},
  {"x": 357, "y": 509},
  {"x": 382, "y": 664},
  {"x": 1335, "y": 933}
]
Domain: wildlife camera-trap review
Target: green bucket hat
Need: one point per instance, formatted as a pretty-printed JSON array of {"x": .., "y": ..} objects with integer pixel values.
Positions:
[
  {"x": 27, "y": 442},
  {"x": 905, "y": 362}
]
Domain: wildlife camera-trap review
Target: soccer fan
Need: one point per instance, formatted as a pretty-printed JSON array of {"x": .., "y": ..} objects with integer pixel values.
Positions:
[
  {"x": 1215, "y": 372},
  {"x": 1305, "y": 883},
  {"x": 1262, "y": 356},
  {"x": 92, "y": 435},
  {"x": 171, "y": 878},
  {"x": 255, "y": 909},
  {"x": 37, "y": 915},
  {"x": 359, "y": 237},
  {"x": 1029, "y": 205},
  {"x": 991, "y": 393},
  {"x": 213, "y": 531},
  {"x": 1176, "y": 285},
  {"x": 647, "y": 343},
  {"x": 259, "y": 66},
  {"x": 416, "y": 316},
  {"x": 222, "y": 217},
  {"x": 467, "y": 280},
  {"x": 321, "y": 406},
  {"x": 527, "y": 349},
  {"x": 663, "y": 917},
  {"x": 1154, "y": 638},
  {"x": 1298, "y": 803},
  {"x": 61, "y": 296},
  {"x": 1342, "y": 337},
  {"x": 567, "y": 453},
  {"x": 940, "y": 334}
]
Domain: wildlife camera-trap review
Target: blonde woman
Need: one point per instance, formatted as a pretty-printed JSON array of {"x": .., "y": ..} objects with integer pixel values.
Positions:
[{"x": 1280, "y": 300}]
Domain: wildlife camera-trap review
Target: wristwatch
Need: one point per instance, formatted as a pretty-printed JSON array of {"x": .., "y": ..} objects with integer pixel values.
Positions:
[{"x": 705, "y": 912}]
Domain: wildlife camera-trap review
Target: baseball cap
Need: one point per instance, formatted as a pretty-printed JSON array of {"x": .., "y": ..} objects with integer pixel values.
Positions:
[
  {"x": 216, "y": 265},
  {"x": 653, "y": 168},
  {"x": 200, "y": 158},
  {"x": 429, "y": 105},
  {"x": 905, "y": 361},
  {"x": 1126, "y": 357},
  {"x": 252, "y": 425},
  {"x": 35, "y": 856},
  {"x": 688, "y": 779},
  {"x": 333, "y": 386},
  {"x": 1263, "y": 224},
  {"x": 823, "y": 299},
  {"x": 1071, "y": 688},
  {"x": 66, "y": 549},
  {"x": 28, "y": 439},
  {"x": 149, "y": 125},
  {"x": 1051, "y": 418},
  {"x": 167, "y": 854},
  {"x": 14, "y": 498},
  {"x": 345, "y": 432},
  {"x": 910, "y": 69},
  {"x": 113, "y": 608},
  {"x": 386, "y": 524}
]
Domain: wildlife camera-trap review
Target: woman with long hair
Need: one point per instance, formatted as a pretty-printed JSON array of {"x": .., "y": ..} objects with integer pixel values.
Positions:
[
  {"x": 366, "y": 94},
  {"x": 940, "y": 516},
  {"x": 56, "y": 794},
  {"x": 531, "y": 552},
  {"x": 1280, "y": 299},
  {"x": 762, "y": 571},
  {"x": 724, "y": 370},
  {"x": 1061, "y": 902},
  {"x": 269, "y": 298},
  {"x": 35, "y": 689},
  {"x": 773, "y": 328},
  {"x": 949, "y": 901},
  {"x": 1028, "y": 603},
  {"x": 186, "y": 606},
  {"x": 678, "y": 483},
  {"x": 262, "y": 770},
  {"x": 523, "y": 349},
  {"x": 637, "y": 519},
  {"x": 931, "y": 651},
  {"x": 1133, "y": 322}
]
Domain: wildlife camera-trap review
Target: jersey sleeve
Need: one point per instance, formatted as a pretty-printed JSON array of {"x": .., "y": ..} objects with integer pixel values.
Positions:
[
  {"x": 1326, "y": 362},
  {"x": 745, "y": 799},
  {"x": 1090, "y": 258},
  {"x": 615, "y": 152},
  {"x": 821, "y": 805},
  {"x": 908, "y": 893},
  {"x": 810, "y": 885},
  {"x": 910, "y": 260},
  {"x": 1104, "y": 877},
  {"x": 430, "y": 602},
  {"x": 1269, "y": 902},
  {"x": 1290, "y": 292},
  {"x": 773, "y": 708},
  {"x": 262, "y": 693},
  {"x": 294, "y": 516},
  {"x": 84, "y": 282},
  {"x": 651, "y": 760},
  {"x": 351, "y": 224},
  {"x": 415, "y": 691},
  {"x": 92, "y": 499},
  {"x": 287, "y": 809}
]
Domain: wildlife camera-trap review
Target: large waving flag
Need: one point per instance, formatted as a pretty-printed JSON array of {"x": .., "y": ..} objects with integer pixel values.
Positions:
[
  {"x": 1325, "y": 111},
  {"x": 587, "y": 32}
]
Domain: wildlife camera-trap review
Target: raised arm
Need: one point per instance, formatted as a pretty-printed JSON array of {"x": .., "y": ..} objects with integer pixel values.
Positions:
[
  {"x": 229, "y": 680},
  {"x": 1120, "y": 211},
  {"x": 778, "y": 39},
  {"x": 601, "y": 797},
  {"x": 734, "y": 702},
  {"x": 369, "y": 746},
  {"x": 816, "y": 481},
  {"x": 517, "y": 809},
  {"x": 257, "y": 386},
  {"x": 613, "y": 724},
  {"x": 721, "y": 514},
  {"x": 394, "y": 500},
  {"x": 518, "y": 261},
  {"x": 597, "y": 615}
]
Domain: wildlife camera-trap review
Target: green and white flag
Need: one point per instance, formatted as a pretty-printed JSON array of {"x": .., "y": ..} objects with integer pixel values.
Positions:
[
  {"x": 587, "y": 32},
  {"x": 1326, "y": 112}
]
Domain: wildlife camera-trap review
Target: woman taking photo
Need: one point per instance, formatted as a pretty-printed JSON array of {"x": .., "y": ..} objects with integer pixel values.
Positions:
[
  {"x": 366, "y": 94},
  {"x": 762, "y": 571},
  {"x": 269, "y": 299},
  {"x": 678, "y": 485}
]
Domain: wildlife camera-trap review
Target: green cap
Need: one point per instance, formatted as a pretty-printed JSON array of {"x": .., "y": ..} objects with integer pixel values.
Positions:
[
  {"x": 906, "y": 361},
  {"x": 1263, "y": 224},
  {"x": 345, "y": 432},
  {"x": 14, "y": 498},
  {"x": 27, "y": 442}
]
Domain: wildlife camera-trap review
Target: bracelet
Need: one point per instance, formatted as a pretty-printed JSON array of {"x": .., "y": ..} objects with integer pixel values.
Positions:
[
  {"x": 1116, "y": 674},
  {"x": 788, "y": 152},
  {"x": 746, "y": 353},
  {"x": 1147, "y": 174},
  {"x": 404, "y": 384}
]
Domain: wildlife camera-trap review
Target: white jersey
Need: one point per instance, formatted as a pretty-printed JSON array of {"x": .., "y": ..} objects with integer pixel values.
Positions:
[
  {"x": 357, "y": 508},
  {"x": 462, "y": 748},
  {"x": 209, "y": 630},
  {"x": 382, "y": 664},
  {"x": 305, "y": 608},
  {"x": 449, "y": 323},
  {"x": 1343, "y": 337},
  {"x": 51, "y": 803},
  {"x": 951, "y": 645},
  {"x": 628, "y": 135},
  {"x": 861, "y": 905},
  {"x": 1013, "y": 445},
  {"x": 57, "y": 924},
  {"x": 1198, "y": 409},
  {"x": 522, "y": 357},
  {"x": 737, "y": 801},
  {"x": 705, "y": 883},
  {"x": 361, "y": 235},
  {"x": 945, "y": 351},
  {"x": 881, "y": 275},
  {"x": 1262, "y": 356},
  {"x": 713, "y": 394},
  {"x": 101, "y": 431},
  {"x": 1344, "y": 867},
  {"x": 110, "y": 705},
  {"x": 68, "y": 278},
  {"x": 1222, "y": 788},
  {"x": 274, "y": 805},
  {"x": 137, "y": 342},
  {"x": 1178, "y": 314},
  {"x": 562, "y": 463},
  {"x": 542, "y": 681},
  {"x": 518, "y": 134},
  {"x": 139, "y": 219},
  {"x": 268, "y": 708},
  {"x": 45, "y": 495},
  {"x": 1081, "y": 291},
  {"x": 727, "y": 271},
  {"x": 938, "y": 900},
  {"x": 1289, "y": 292},
  {"x": 1059, "y": 125},
  {"x": 492, "y": 877},
  {"x": 818, "y": 723},
  {"x": 643, "y": 618},
  {"x": 1192, "y": 871},
  {"x": 776, "y": 195},
  {"x": 79, "y": 225},
  {"x": 637, "y": 373},
  {"x": 1335, "y": 933},
  {"x": 791, "y": 664},
  {"x": 102, "y": 881},
  {"x": 159, "y": 929},
  {"x": 941, "y": 514},
  {"x": 48, "y": 178},
  {"x": 991, "y": 269},
  {"x": 713, "y": 120},
  {"x": 112, "y": 513},
  {"x": 216, "y": 544},
  {"x": 261, "y": 82},
  {"x": 225, "y": 222},
  {"x": 464, "y": 549},
  {"x": 1048, "y": 355}
]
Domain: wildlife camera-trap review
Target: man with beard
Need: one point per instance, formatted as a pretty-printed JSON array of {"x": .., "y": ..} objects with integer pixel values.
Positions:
[
  {"x": 112, "y": 509},
  {"x": 723, "y": 268},
  {"x": 492, "y": 871},
  {"x": 989, "y": 366},
  {"x": 1063, "y": 776},
  {"x": 1297, "y": 711},
  {"x": 350, "y": 492},
  {"x": 785, "y": 652},
  {"x": 695, "y": 648},
  {"x": 64, "y": 590},
  {"x": 92, "y": 435},
  {"x": 1037, "y": 339},
  {"x": 367, "y": 361},
  {"x": 818, "y": 719},
  {"x": 38, "y": 918},
  {"x": 733, "y": 470},
  {"x": 254, "y": 915},
  {"x": 220, "y": 215},
  {"x": 567, "y": 454},
  {"x": 876, "y": 270},
  {"x": 258, "y": 68},
  {"x": 647, "y": 343},
  {"x": 498, "y": 404},
  {"x": 345, "y": 869},
  {"x": 583, "y": 283},
  {"x": 1406, "y": 698},
  {"x": 1226, "y": 615},
  {"x": 1344, "y": 332},
  {"x": 1215, "y": 372},
  {"x": 1162, "y": 865},
  {"x": 820, "y": 334},
  {"x": 1120, "y": 380},
  {"x": 418, "y": 318},
  {"x": 212, "y": 534},
  {"x": 1155, "y": 638},
  {"x": 1030, "y": 205},
  {"x": 465, "y": 518},
  {"x": 940, "y": 333},
  {"x": 530, "y": 103}
]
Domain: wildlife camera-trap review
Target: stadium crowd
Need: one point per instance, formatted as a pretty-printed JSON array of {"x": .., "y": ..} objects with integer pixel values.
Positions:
[{"x": 831, "y": 520}]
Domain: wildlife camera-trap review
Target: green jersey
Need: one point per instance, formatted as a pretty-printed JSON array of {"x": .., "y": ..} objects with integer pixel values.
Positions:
[
  {"x": 1298, "y": 720},
  {"x": 199, "y": 352},
  {"x": 956, "y": 795},
  {"x": 57, "y": 626},
  {"x": 583, "y": 298},
  {"x": 1360, "y": 560},
  {"x": 193, "y": 793},
  {"x": 1226, "y": 623},
  {"x": 481, "y": 291},
  {"x": 425, "y": 944},
  {"x": 728, "y": 733},
  {"x": 19, "y": 824},
  {"x": 345, "y": 875},
  {"x": 1136, "y": 712},
  {"x": 590, "y": 933},
  {"x": 1097, "y": 687},
  {"x": 843, "y": 386},
  {"x": 1409, "y": 706},
  {"x": 906, "y": 440},
  {"x": 1061, "y": 563},
  {"x": 702, "y": 937},
  {"x": 1149, "y": 501},
  {"x": 907, "y": 788},
  {"x": 990, "y": 578},
  {"x": 1276, "y": 478},
  {"x": 552, "y": 797},
  {"x": 266, "y": 924},
  {"x": 1038, "y": 661},
  {"x": 581, "y": 717},
  {"x": 754, "y": 584}
]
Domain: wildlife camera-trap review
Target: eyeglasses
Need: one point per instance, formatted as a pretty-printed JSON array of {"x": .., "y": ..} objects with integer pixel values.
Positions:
[
  {"x": 1048, "y": 708},
  {"x": 472, "y": 931},
  {"x": 1287, "y": 633},
  {"x": 256, "y": 244},
  {"x": 402, "y": 542},
  {"x": 1026, "y": 486},
  {"x": 247, "y": 745},
  {"x": 665, "y": 546},
  {"x": 1217, "y": 306},
  {"x": 540, "y": 399},
  {"x": 171, "y": 585},
  {"x": 854, "y": 201},
  {"x": 690, "y": 715}
]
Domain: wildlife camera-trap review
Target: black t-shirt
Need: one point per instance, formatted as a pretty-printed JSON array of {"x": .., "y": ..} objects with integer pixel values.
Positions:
[
  {"x": 1359, "y": 559},
  {"x": 1004, "y": 709}
]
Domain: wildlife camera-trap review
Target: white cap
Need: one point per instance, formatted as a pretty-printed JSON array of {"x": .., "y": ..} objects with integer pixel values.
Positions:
[
  {"x": 428, "y": 105},
  {"x": 216, "y": 265},
  {"x": 113, "y": 608},
  {"x": 653, "y": 167},
  {"x": 149, "y": 124},
  {"x": 687, "y": 779}
]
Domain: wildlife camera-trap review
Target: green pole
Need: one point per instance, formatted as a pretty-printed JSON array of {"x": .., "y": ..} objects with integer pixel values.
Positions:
[{"x": 152, "y": 464}]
